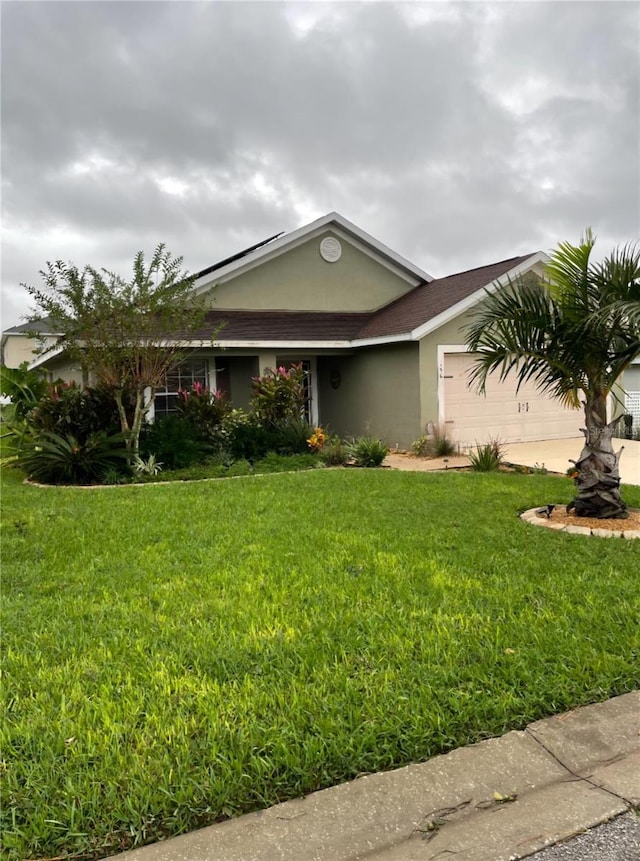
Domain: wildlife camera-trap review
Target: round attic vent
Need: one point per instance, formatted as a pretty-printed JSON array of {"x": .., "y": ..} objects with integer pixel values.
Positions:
[{"x": 330, "y": 249}]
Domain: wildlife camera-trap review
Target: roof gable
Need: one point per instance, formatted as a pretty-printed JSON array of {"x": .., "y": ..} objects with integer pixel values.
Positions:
[{"x": 268, "y": 249}]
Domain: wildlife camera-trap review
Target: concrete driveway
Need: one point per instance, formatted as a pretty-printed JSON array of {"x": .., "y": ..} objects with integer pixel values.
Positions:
[{"x": 555, "y": 455}]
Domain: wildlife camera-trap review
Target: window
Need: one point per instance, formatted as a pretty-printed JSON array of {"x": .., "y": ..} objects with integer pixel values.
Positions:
[{"x": 181, "y": 377}]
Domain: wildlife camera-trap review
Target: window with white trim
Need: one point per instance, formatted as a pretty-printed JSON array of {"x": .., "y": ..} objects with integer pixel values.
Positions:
[{"x": 181, "y": 378}]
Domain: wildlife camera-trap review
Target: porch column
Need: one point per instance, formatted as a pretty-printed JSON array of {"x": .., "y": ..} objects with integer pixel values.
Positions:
[{"x": 266, "y": 360}]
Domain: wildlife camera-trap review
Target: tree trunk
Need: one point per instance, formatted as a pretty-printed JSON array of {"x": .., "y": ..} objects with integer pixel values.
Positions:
[
  {"x": 598, "y": 479},
  {"x": 138, "y": 416},
  {"x": 124, "y": 422}
]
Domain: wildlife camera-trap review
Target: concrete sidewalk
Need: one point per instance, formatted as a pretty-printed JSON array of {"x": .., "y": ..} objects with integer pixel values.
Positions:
[{"x": 499, "y": 800}]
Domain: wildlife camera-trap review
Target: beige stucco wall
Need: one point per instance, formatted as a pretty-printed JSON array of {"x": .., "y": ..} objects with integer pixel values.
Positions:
[
  {"x": 631, "y": 379},
  {"x": 450, "y": 333},
  {"x": 19, "y": 348},
  {"x": 63, "y": 369},
  {"x": 379, "y": 393},
  {"x": 300, "y": 280}
]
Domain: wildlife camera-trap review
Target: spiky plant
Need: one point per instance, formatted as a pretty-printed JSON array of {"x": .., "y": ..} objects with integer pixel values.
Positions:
[
  {"x": 54, "y": 458},
  {"x": 573, "y": 333}
]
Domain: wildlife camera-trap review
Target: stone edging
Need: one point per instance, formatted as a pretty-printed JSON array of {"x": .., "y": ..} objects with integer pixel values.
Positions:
[{"x": 532, "y": 517}]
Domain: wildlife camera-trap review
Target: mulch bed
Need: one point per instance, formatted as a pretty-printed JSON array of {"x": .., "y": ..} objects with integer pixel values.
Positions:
[{"x": 559, "y": 515}]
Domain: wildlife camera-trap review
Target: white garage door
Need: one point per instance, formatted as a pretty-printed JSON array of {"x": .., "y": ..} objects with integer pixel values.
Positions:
[{"x": 501, "y": 413}]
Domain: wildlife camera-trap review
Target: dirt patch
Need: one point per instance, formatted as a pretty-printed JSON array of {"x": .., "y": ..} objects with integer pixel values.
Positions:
[{"x": 410, "y": 463}]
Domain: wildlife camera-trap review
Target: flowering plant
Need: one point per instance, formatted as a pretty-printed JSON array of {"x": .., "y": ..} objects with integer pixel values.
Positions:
[
  {"x": 280, "y": 395},
  {"x": 203, "y": 408},
  {"x": 317, "y": 440}
]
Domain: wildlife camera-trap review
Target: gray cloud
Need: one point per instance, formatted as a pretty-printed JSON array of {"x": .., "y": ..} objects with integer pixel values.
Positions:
[{"x": 458, "y": 134}]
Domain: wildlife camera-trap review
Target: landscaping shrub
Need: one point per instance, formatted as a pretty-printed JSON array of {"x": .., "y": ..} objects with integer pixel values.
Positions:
[
  {"x": 292, "y": 436},
  {"x": 150, "y": 466},
  {"x": 68, "y": 408},
  {"x": 487, "y": 457},
  {"x": 443, "y": 445},
  {"x": 175, "y": 442},
  {"x": 279, "y": 396},
  {"x": 246, "y": 436},
  {"x": 436, "y": 443},
  {"x": 52, "y": 458},
  {"x": 204, "y": 409},
  {"x": 422, "y": 447},
  {"x": 274, "y": 462},
  {"x": 334, "y": 452},
  {"x": 317, "y": 440},
  {"x": 211, "y": 467},
  {"x": 367, "y": 451}
]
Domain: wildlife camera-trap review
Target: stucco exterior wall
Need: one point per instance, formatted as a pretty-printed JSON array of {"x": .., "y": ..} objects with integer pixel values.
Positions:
[
  {"x": 300, "y": 280},
  {"x": 63, "y": 369},
  {"x": 242, "y": 369},
  {"x": 450, "y": 333},
  {"x": 378, "y": 395},
  {"x": 631, "y": 379},
  {"x": 19, "y": 348}
]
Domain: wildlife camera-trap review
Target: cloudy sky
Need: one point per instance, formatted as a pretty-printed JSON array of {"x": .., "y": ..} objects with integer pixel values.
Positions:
[{"x": 458, "y": 134}]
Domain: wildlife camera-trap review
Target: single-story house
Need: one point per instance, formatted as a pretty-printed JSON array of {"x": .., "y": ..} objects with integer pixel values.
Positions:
[{"x": 382, "y": 340}]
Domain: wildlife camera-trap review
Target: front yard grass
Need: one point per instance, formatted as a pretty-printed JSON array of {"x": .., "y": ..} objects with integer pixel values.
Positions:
[{"x": 176, "y": 654}]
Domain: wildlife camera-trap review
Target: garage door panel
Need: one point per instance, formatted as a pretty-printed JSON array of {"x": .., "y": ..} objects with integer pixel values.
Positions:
[{"x": 523, "y": 416}]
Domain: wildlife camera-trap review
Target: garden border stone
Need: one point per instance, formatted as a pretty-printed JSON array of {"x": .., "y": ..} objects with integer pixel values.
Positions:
[{"x": 531, "y": 516}]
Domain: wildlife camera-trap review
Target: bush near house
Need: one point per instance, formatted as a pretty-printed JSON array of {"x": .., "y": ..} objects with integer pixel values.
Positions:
[
  {"x": 204, "y": 409},
  {"x": 367, "y": 451},
  {"x": 487, "y": 457},
  {"x": 67, "y": 408},
  {"x": 279, "y": 396},
  {"x": 435, "y": 443},
  {"x": 71, "y": 435}
]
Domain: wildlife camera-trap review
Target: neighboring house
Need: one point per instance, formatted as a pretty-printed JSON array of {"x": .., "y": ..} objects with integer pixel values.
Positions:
[
  {"x": 631, "y": 383},
  {"x": 18, "y": 344},
  {"x": 383, "y": 341}
]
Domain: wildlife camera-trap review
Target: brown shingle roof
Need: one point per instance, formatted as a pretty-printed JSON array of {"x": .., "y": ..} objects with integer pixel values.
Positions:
[
  {"x": 426, "y": 301},
  {"x": 402, "y": 316},
  {"x": 283, "y": 325}
]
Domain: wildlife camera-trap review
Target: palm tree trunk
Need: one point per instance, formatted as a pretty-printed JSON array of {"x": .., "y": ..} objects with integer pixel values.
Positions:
[{"x": 598, "y": 479}]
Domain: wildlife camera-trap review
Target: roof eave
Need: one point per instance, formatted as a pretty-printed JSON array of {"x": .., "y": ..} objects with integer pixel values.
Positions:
[
  {"x": 44, "y": 358},
  {"x": 473, "y": 298}
]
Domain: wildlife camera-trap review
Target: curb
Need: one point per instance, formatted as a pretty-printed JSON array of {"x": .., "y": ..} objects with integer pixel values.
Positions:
[{"x": 498, "y": 800}]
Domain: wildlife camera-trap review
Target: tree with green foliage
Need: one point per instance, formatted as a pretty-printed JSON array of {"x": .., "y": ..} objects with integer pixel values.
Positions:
[
  {"x": 573, "y": 332},
  {"x": 128, "y": 334}
]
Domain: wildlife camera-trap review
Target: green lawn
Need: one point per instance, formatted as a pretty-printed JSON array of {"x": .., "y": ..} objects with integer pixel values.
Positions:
[{"x": 176, "y": 654}]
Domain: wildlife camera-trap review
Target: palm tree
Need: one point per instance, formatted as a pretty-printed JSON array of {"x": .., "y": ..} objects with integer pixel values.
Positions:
[{"x": 573, "y": 333}]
